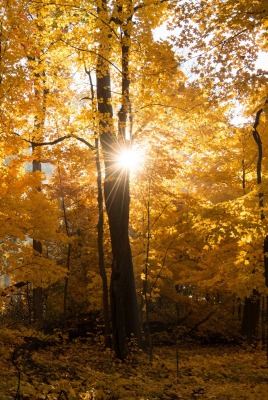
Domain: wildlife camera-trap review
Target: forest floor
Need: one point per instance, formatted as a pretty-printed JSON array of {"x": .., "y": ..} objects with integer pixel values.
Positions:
[{"x": 43, "y": 369}]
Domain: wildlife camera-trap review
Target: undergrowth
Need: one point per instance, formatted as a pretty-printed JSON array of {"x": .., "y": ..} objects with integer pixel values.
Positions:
[{"x": 34, "y": 366}]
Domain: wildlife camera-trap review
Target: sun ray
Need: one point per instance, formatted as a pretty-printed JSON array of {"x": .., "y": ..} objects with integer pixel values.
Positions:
[
  {"x": 129, "y": 158},
  {"x": 127, "y": 161}
]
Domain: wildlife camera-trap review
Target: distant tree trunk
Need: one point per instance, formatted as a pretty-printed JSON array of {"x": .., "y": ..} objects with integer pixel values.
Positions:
[
  {"x": 251, "y": 312},
  {"x": 146, "y": 277},
  {"x": 66, "y": 285},
  {"x": 102, "y": 269},
  {"x": 258, "y": 141},
  {"x": 265, "y": 251},
  {"x": 37, "y": 246},
  {"x": 41, "y": 93},
  {"x": 250, "y": 320},
  {"x": 100, "y": 228},
  {"x": 263, "y": 322},
  {"x": 69, "y": 249}
]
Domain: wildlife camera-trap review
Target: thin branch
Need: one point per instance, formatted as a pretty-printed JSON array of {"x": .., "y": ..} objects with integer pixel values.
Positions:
[
  {"x": 61, "y": 139},
  {"x": 85, "y": 142},
  {"x": 200, "y": 322},
  {"x": 163, "y": 266},
  {"x": 93, "y": 52},
  {"x": 104, "y": 22},
  {"x": 163, "y": 105},
  {"x": 221, "y": 43},
  {"x": 77, "y": 8},
  {"x": 159, "y": 215},
  {"x": 142, "y": 5}
]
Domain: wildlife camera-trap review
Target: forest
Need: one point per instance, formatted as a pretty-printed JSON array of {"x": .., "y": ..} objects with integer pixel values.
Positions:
[{"x": 134, "y": 199}]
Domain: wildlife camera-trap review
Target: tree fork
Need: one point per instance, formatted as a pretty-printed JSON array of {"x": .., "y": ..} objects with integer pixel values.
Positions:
[{"x": 124, "y": 308}]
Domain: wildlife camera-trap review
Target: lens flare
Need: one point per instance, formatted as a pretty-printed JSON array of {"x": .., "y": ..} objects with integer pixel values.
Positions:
[{"x": 129, "y": 159}]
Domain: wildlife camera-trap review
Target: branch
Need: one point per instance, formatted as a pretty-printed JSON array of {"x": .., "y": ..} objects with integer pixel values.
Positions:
[
  {"x": 61, "y": 139},
  {"x": 201, "y": 322},
  {"x": 142, "y": 5},
  {"x": 221, "y": 43},
  {"x": 85, "y": 142},
  {"x": 11, "y": 289},
  {"x": 93, "y": 52},
  {"x": 258, "y": 141},
  {"x": 49, "y": 3},
  {"x": 163, "y": 105},
  {"x": 257, "y": 138}
]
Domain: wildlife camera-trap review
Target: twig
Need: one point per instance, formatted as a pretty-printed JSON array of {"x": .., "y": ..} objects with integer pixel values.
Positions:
[
  {"x": 200, "y": 323},
  {"x": 17, "y": 395}
]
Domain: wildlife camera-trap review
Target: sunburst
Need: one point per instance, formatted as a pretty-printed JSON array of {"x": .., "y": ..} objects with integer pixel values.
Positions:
[{"x": 129, "y": 159}]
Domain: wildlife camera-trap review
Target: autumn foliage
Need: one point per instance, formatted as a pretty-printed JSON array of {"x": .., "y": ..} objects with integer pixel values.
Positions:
[{"x": 176, "y": 239}]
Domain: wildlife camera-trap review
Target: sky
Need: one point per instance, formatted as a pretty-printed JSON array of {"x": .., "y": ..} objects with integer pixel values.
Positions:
[
  {"x": 262, "y": 62},
  {"x": 163, "y": 33}
]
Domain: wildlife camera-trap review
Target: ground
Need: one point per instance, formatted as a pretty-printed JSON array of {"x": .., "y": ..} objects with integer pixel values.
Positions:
[{"x": 54, "y": 368}]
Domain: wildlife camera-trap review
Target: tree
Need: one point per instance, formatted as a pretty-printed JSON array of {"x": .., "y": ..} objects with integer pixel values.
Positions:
[
  {"x": 23, "y": 108},
  {"x": 108, "y": 80},
  {"x": 73, "y": 188},
  {"x": 228, "y": 39},
  {"x": 115, "y": 30},
  {"x": 222, "y": 42}
]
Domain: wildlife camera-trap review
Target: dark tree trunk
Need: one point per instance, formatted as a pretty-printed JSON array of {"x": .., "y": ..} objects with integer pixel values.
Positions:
[
  {"x": 251, "y": 314},
  {"x": 38, "y": 306},
  {"x": 102, "y": 269},
  {"x": 124, "y": 308},
  {"x": 251, "y": 311},
  {"x": 39, "y": 122},
  {"x": 69, "y": 250},
  {"x": 265, "y": 251},
  {"x": 100, "y": 228},
  {"x": 37, "y": 246}
]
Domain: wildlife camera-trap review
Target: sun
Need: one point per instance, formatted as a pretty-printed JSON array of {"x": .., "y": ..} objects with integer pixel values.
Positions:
[{"x": 129, "y": 159}]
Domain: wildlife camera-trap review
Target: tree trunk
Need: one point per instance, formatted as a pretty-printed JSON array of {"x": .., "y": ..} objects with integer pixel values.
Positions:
[
  {"x": 251, "y": 315},
  {"x": 69, "y": 249},
  {"x": 100, "y": 227},
  {"x": 146, "y": 295},
  {"x": 39, "y": 121},
  {"x": 124, "y": 307},
  {"x": 252, "y": 304},
  {"x": 37, "y": 246},
  {"x": 38, "y": 315},
  {"x": 102, "y": 269},
  {"x": 265, "y": 251}
]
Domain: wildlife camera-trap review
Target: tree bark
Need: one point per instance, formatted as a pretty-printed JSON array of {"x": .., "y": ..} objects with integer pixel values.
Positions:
[
  {"x": 102, "y": 269},
  {"x": 250, "y": 319},
  {"x": 100, "y": 227},
  {"x": 37, "y": 246},
  {"x": 40, "y": 96},
  {"x": 251, "y": 311},
  {"x": 124, "y": 308},
  {"x": 69, "y": 249}
]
